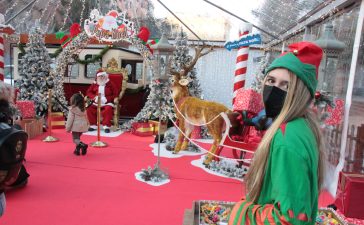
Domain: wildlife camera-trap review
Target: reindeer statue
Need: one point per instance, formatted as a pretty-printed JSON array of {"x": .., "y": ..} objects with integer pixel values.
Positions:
[{"x": 191, "y": 110}]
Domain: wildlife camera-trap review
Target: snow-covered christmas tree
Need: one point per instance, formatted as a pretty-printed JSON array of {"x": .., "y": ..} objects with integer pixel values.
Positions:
[
  {"x": 34, "y": 71},
  {"x": 181, "y": 57},
  {"x": 260, "y": 73},
  {"x": 159, "y": 104}
]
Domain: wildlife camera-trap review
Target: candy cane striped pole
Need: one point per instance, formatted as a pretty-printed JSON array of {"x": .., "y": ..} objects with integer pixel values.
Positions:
[
  {"x": 2, "y": 75},
  {"x": 241, "y": 60},
  {"x": 7, "y": 29}
]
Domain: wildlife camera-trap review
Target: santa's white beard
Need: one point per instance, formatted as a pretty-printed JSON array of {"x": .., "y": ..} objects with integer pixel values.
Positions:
[{"x": 102, "y": 82}]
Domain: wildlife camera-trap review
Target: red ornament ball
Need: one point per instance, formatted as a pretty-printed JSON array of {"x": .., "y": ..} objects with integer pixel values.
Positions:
[{"x": 317, "y": 95}]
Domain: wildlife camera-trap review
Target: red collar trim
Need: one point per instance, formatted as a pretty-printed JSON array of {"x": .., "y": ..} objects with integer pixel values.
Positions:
[{"x": 283, "y": 128}]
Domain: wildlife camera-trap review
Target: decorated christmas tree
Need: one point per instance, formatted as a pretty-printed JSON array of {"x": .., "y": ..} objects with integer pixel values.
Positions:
[
  {"x": 260, "y": 73},
  {"x": 159, "y": 104},
  {"x": 181, "y": 57},
  {"x": 34, "y": 70}
]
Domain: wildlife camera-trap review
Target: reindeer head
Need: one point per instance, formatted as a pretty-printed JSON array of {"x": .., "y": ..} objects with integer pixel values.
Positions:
[{"x": 179, "y": 86}]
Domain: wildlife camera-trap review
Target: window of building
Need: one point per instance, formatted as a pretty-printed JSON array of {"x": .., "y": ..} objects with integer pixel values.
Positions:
[
  {"x": 92, "y": 68},
  {"x": 134, "y": 68}
]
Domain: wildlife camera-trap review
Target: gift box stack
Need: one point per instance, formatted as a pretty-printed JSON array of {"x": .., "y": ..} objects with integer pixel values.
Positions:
[
  {"x": 29, "y": 122},
  {"x": 57, "y": 120},
  {"x": 350, "y": 195}
]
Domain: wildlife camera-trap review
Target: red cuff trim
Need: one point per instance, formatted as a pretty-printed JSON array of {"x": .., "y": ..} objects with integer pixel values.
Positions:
[
  {"x": 290, "y": 213},
  {"x": 302, "y": 217}
]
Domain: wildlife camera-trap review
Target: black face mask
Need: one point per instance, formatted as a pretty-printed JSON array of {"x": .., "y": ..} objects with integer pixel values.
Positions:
[{"x": 273, "y": 99}]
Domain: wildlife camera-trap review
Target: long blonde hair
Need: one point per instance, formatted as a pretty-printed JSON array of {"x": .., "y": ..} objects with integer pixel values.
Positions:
[{"x": 295, "y": 105}]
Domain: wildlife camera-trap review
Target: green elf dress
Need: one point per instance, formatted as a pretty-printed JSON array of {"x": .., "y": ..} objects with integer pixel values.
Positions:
[{"x": 289, "y": 193}]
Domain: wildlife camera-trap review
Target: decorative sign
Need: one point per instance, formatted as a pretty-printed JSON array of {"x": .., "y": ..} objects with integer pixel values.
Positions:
[
  {"x": 244, "y": 41},
  {"x": 111, "y": 27}
]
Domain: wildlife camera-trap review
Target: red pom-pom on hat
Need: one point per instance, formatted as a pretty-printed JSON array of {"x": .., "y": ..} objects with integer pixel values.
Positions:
[{"x": 307, "y": 52}]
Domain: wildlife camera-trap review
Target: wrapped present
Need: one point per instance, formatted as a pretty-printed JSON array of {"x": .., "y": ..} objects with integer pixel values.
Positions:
[
  {"x": 33, "y": 127},
  {"x": 155, "y": 125},
  {"x": 350, "y": 220},
  {"x": 26, "y": 108},
  {"x": 57, "y": 120},
  {"x": 350, "y": 195},
  {"x": 142, "y": 129},
  {"x": 335, "y": 114},
  {"x": 248, "y": 100},
  {"x": 254, "y": 136}
]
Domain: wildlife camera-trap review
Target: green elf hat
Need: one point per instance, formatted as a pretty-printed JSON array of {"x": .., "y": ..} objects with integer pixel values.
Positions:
[{"x": 303, "y": 59}]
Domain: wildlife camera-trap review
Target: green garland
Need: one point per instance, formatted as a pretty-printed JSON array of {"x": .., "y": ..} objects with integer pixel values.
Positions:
[
  {"x": 80, "y": 61},
  {"x": 94, "y": 58}
]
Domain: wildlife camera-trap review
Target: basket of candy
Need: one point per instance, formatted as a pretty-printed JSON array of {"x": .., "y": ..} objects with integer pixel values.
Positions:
[
  {"x": 328, "y": 216},
  {"x": 214, "y": 212}
]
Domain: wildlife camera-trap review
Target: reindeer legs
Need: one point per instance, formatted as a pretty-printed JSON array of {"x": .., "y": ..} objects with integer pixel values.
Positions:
[
  {"x": 188, "y": 131},
  {"x": 181, "y": 137},
  {"x": 215, "y": 129}
]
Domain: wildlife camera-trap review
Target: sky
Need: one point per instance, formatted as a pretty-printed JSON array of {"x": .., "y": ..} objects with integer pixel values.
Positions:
[{"x": 241, "y": 8}]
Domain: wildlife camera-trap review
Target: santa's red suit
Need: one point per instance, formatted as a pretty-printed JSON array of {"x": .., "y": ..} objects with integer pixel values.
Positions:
[{"x": 108, "y": 93}]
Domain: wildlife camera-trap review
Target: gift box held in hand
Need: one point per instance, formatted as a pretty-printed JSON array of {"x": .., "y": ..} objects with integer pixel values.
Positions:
[
  {"x": 350, "y": 195},
  {"x": 26, "y": 108},
  {"x": 248, "y": 100},
  {"x": 142, "y": 129}
]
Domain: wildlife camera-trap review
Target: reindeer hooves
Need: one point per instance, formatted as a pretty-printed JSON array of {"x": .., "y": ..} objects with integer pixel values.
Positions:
[{"x": 207, "y": 161}]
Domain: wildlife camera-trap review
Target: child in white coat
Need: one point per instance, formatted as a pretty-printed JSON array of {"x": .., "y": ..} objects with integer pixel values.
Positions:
[{"x": 77, "y": 122}]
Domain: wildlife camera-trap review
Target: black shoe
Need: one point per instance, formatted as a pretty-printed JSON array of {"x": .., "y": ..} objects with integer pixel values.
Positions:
[
  {"x": 107, "y": 130},
  {"x": 91, "y": 129},
  {"x": 77, "y": 150},
  {"x": 21, "y": 181},
  {"x": 83, "y": 148}
]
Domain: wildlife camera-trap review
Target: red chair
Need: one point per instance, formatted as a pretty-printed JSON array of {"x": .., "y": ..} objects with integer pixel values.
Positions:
[{"x": 120, "y": 82}]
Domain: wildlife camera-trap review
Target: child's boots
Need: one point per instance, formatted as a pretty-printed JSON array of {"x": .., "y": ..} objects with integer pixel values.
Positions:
[
  {"x": 83, "y": 148},
  {"x": 77, "y": 150}
]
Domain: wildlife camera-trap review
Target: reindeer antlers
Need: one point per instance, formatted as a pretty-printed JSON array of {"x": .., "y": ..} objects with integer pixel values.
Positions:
[{"x": 187, "y": 68}]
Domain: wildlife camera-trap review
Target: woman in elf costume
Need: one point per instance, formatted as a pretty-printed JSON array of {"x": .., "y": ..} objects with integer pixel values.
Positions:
[{"x": 284, "y": 179}]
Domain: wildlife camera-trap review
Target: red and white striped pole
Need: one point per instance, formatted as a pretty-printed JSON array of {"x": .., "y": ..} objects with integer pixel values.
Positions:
[
  {"x": 4, "y": 29},
  {"x": 241, "y": 60},
  {"x": 2, "y": 75}
]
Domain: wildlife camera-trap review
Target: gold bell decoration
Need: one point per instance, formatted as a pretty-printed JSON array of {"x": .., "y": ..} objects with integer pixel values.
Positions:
[
  {"x": 50, "y": 138},
  {"x": 98, "y": 143}
]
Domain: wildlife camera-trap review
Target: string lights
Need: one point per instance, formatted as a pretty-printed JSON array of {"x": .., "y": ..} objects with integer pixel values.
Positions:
[
  {"x": 27, "y": 14},
  {"x": 66, "y": 15},
  {"x": 52, "y": 18},
  {"x": 11, "y": 8},
  {"x": 44, "y": 10}
]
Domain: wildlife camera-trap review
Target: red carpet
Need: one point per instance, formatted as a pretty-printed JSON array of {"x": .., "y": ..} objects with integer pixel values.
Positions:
[{"x": 100, "y": 188}]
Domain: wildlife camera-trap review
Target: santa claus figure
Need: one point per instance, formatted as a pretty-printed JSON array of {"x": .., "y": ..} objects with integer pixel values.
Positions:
[{"x": 102, "y": 86}]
